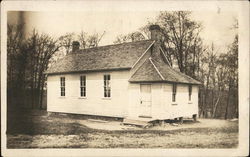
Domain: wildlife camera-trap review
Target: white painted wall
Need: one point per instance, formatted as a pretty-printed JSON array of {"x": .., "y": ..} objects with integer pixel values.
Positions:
[
  {"x": 94, "y": 103},
  {"x": 125, "y": 97},
  {"x": 162, "y": 105},
  {"x": 182, "y": 107}
]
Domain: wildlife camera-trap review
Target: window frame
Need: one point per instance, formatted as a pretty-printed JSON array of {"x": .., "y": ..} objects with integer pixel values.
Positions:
[
  {"x": 174, "y": 91},
  {"x": 83, "y": 82},
  {"x": 190, "y": 91},
  {"x": 62, "y": 86},
  {"x": 106, "y": 86}
]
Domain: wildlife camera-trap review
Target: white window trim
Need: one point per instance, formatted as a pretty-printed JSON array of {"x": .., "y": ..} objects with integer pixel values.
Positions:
[
  {"x": 106, "y": 98},
  {"x": 191, "y": 100},
  {"x": 60, "y": 96},
  {"x": 83, "y": 97},
  {"x": 110, "y": 83},
  {"x": 174, "y": 102}
]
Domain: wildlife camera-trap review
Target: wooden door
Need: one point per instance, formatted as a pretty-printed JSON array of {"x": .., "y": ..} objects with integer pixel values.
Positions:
[{"x": 145, "y": 100}]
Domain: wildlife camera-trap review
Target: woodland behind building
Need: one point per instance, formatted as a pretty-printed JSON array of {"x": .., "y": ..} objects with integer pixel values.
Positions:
[{"x": 28, "y": 57}]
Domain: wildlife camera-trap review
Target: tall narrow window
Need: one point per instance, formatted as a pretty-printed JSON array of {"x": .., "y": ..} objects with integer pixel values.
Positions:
[
  {"x": 62, "y": 83},
  {"x": 189, "y": 92},
  {"x": 83, "y": 86},
  {"x": 107, "y": 87},
  {"x": 174, "y": 93}
]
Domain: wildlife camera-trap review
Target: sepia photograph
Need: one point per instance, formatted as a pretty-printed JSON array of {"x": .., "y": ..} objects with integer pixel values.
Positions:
[{"x": 123, "y": 78}]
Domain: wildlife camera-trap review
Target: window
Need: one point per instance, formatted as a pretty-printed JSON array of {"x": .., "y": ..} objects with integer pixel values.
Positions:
[
  {"x": 174, "y": 93},
  {"x": 190, "y": 92},
  {"x": 107, "y": 88},
  {"x": 83, "y": 86},
  {"x": 62, "y": 83}
]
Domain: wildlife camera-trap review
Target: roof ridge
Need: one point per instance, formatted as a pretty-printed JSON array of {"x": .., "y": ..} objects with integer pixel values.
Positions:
[
  {"x": 109, "y": 56},
  {"x": 125, "y": 43},
  {"x": 150, "y": 59},
  {"x": 143, "y": 54},
  {"x": 165, "y": 56}
]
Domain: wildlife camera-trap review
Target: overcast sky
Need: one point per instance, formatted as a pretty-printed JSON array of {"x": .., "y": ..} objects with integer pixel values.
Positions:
[{"x": 216, "y": 25}]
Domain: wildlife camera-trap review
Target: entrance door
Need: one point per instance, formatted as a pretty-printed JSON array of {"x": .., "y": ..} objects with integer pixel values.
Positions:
[{"x": 145, "y": 100}]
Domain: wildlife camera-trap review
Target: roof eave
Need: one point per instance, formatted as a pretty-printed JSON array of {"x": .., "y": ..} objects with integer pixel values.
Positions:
[
  {"x": 87, "y": 71},
  {"x": 162, "y": 81}
]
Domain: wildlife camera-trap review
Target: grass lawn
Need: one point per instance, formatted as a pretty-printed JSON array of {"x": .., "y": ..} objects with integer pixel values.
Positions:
[{"x": 41, "y": 131}]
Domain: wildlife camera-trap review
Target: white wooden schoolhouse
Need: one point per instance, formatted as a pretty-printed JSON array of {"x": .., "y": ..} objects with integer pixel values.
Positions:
[{"x": 123, "y": 80}]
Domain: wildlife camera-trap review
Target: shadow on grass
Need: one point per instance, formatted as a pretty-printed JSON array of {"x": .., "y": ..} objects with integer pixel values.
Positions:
[
  {"x": 40, "y": 124},
  {"x": 34, "y": 126},
  {"x": 30, "y": 130}
]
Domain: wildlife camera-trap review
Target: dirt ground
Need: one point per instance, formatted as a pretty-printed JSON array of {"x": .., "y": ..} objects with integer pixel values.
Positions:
[{"x": 42, "y": 131}]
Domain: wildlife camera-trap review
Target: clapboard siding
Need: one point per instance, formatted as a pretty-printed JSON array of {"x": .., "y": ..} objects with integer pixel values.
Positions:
[
  {"x": 134, "y": 62},
  {"x": 94, "y": 103},
  {"x": 125, "y": 97},
  {"x": 182, "y": 107},
  {"x": 162, "y": 105}
]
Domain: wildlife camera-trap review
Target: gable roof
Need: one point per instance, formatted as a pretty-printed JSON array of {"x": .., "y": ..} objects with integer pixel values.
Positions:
[
  {"x": 146, "y": 72},
  {"x": 121, "y": 57},
  {"x": 150, "y": 68},
  {"x": 111, "y": 57}
]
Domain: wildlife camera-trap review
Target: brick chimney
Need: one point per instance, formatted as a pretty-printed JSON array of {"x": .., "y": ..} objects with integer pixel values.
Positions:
[
  {"x": 75, "y": 46},
  {"x": 157, "y": 37},
  {"x": 155, "y": 32}
]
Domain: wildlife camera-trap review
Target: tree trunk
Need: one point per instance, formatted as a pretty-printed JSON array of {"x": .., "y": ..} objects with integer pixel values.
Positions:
[
  {"x": 212, "y": 100},
  {"x": 202, "y": 107},
  {"x": 236, "y": 114},
  {"x": 42, "y": 92},
  {"x": 228, "y": 98},
  {"x": 39, "y": 90},
  {"x": 41, "y": 99},
  {"x": 193, "y": 66},
  {"x": 215, "y": 107},
  {"x": 32, "y": 94}
]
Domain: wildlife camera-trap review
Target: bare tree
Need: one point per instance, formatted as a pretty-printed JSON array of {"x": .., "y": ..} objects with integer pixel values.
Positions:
[
  {"x": 207, "y": 90},
  {"x": 93, "y": 40},
  {"x": 86, "y": 40},
  {"x": 181, "y": 41},
  {"x": 82, "y": 38},
  {"x": 16, "y": 63},
  {"x": 131, "y": 37},
  {"x": 181, "y": 35},
  {"x": 40, "y": 48},
  {"x": 66, "y": 41},
  {"x": 232, "y": 66},
  {"x": 15, "y": 45},
  {"x": 183, "y": 45}
]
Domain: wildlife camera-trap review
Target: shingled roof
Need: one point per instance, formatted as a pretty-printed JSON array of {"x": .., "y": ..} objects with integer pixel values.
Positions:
[
  {"x": 120, "y": 57},
  {"x": 158, "y": 71},
  {"x": 111, "y": 57}
]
